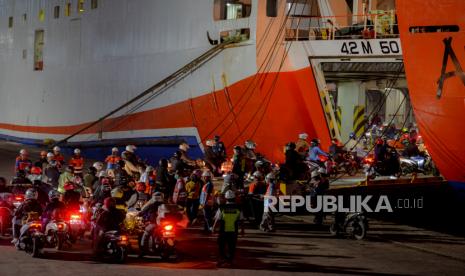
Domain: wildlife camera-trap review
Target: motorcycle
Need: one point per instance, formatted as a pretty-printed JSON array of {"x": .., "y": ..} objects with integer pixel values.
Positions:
[
  {"x": 417, "y": 164},
  {"x": 162, "y": 240},
  {"x": 348, "y": 163},
  {"x": 354, "y": 225},
  {"x": 77, "y": 226},
  {"x": 57, "y": 234},
  {"x": 6, "y": 212},
  {"x": 115, "y": 246},
  {"x": 388, "y": 167},
  {"x": 33, "y": 240}
]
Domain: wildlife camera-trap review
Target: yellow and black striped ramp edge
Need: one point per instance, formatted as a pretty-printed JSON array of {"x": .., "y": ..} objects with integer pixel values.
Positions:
[
  {"x": 331, "y": 124},
  {"x": 359, "y": 120},
  {"x": 339, "y": 118}
]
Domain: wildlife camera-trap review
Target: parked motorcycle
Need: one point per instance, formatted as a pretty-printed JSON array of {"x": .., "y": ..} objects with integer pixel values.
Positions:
[
  {"x": 417, "y": 164},
  {"x": 354, "y": 225}
]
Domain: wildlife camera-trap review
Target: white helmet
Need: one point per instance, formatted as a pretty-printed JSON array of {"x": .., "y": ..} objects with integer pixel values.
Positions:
[
  {"x": 131, "y": 148},
  {"x": 303, "y": 136},
  {"x": 98, "y": 166},
  {"x": 31, "y": 194},
  {"x": 102, "y": 174},
  {"x": 250, "y": 144},
  {"x": 206, "y": 174},
  {"x": 257, "y": 175},
  {"x": 149, "y": 169},
  {"x": 50, "y": 155},
  {"x": 77, "y": 151},
  {"x": 56, "y": 148},
  {"x": 23, "y": 152},
  {"x": 230, "y": 195},
  {"x": 209, "y": 143},
  {"x": 184, "y": 147},
  {"x": 115, "y": 149}
]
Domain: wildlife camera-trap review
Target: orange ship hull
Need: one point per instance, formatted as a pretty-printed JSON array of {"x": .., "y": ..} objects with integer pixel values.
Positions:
[{"x": 439, "y": 109}]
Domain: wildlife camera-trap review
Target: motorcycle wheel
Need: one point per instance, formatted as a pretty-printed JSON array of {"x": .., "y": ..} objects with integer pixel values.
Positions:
[
  {"x": 333, "y": 230},
  {"x": 35, "y": 250},
  {"x": 120, "y": 254},
  {"x": 359, "y": 230}
]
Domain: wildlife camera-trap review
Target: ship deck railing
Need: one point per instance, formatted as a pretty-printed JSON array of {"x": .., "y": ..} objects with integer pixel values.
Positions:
[{"x": 367, "y": 26}]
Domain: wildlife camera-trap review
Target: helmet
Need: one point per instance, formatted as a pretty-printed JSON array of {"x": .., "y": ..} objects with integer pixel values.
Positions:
[
  {"x": 109, "y": 203},
  {"x": 106, "y": 187},
  {"x": 50, "y": 155},
  {"x": 77, "y": 151},
  {"x": 259, "y": 164},
  {"x": 114, "y": 149},
  {"x": 184, "y": 146},
  {"x": 158, "y": 197},
  {"x": 209, "y": 143},
  {"x": 404, "y": 130},
  {"x": 352, "y": 136},
  {"x": 315, "y": 173},
  {"x": 303, "y": 136},
  {"x": 56, "y": 148},
  {"x": 291, "y": 146},
  {"x": 131, "y": 148},
  {"x": 229, "y": 195},
  {"x": 207, "y": 174},
  {"x": 117, "y": 193},
  {"x": 102, "y": 174},
  {"x": 98, "y": 166},
  {"x": 53, "y": 194},
  {"x": 36, "y": 170},
  {"x": 69, "y": 186},
  {"x": 149, "y": 169},
  {"x": 315, "y": 142},
  {"x": 140, "y": 186},
  {"x": 249, "y": 144},
  {"x": 385, "y": 124},
  {"x": 270, "y": 177},
  {"x": 258, "y": 175},
  {"x": 31, "y": 194},
  {"x": 23, "y": 152}
]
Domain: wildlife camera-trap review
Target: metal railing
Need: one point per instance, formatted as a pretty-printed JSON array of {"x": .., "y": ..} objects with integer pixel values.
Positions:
[{"x": 371, "y": 26}]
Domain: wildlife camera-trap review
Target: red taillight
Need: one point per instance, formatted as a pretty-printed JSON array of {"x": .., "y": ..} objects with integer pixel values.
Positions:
[
  {"x": 168, "y": 227},
  {"x": 60, "y": 226},
  {"x": 124, "y": 238},
  {"x": 19, "y": 198}
]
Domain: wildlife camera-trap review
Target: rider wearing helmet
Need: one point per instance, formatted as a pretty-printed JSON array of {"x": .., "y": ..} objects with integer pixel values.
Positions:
[
  {"x": 109, "y": 219},
  {"x": 315, "y": 151},
  {"x": 140, "y": 196},
  {"x": 66, "y": 176},
  {"x": 54, "y": 208},
  {"x": 228, "y": 218},
  {"x": 23, "y": 163},
  {"x": 42, "y": 162},
  {"x": 380, "y": 150},
  {"x": 302, "y": 145},
  {"x": 77, "y": 161},
  {"x": 58, "y": 157},
  {"x": 206, "y": 200},
  {"x": 102, "y": 190},
  {"x": 30, "y": 204},
  {"x": 258, "y": 187},
  {"x": 113, "y": 159},
  {"x": 71, "y": 196},
  {"x": 150, "y": 212}
]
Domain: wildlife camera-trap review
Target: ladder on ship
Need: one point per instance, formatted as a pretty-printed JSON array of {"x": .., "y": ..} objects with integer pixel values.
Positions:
[{"x": 161, "y": 86}]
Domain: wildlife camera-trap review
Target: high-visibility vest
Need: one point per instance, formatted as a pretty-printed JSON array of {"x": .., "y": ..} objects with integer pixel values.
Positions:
[{"x": 230, "y": 218}]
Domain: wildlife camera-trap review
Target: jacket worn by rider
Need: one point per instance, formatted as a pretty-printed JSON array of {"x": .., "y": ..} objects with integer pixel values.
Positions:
[
  {"x": 22, "y": 164},
  {"x": 28, "y": 206},
  {"x": 110, "y": 219},
  {"x": 53, "y": 210}
]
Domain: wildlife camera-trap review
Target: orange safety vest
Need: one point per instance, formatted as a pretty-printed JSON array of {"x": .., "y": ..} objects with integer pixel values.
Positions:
[{"x": 77, "y": 163}]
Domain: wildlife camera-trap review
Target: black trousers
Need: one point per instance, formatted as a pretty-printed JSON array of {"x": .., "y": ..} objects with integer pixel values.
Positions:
[{"x": 229, "y": 240}]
